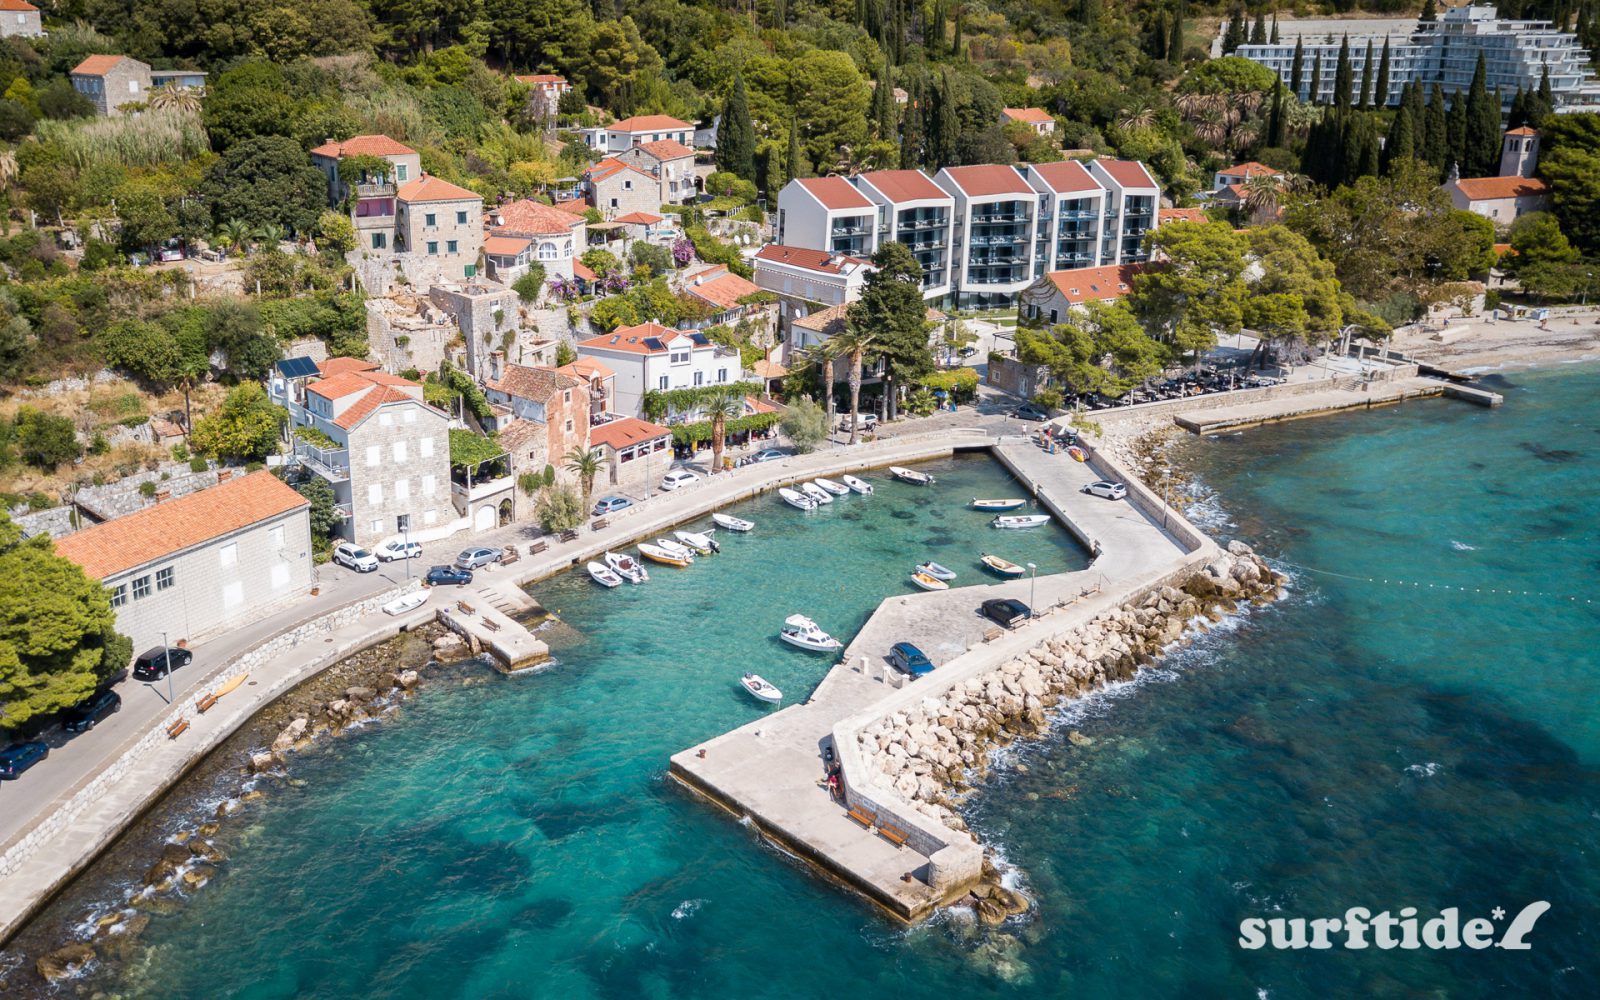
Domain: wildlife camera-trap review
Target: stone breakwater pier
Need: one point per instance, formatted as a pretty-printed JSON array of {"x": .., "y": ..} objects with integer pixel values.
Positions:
[{"x": 908, "y": 750}]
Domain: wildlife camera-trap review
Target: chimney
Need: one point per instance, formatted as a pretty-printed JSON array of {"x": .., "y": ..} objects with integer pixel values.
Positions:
[{"x": 495, "y": 360}]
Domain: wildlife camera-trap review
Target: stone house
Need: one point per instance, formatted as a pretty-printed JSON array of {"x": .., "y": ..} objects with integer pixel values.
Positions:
[
  {"x": 109, "y": 82},
  {"x": 617, "y": 188},
  {"x": 721, "y": 289},
  {"x": 440, "y": 226},
  {"x": 637, "y": 131},
  {"x": 485, "y": 312},
  {"x": 637, "y": 452},
  {"x": 1055, "y": 295},
  {"x": 201, "y": 563},
  {"x": 1038, "y": 119},
  {"x": 19, "y": 19},
  {"x": 807, "y": 281},
  {"x": 549, "y": 415},
  {"x": 556, "y": 237},
  {"x": 1501, "y": 200},
  {"x": 601, "y": 383},
  {"x": 373, "y": 207},
  {"x": 671, "y": 163}
]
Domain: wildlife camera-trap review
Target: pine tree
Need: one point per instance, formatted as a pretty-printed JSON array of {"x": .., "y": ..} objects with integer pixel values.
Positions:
[
  {"x": 1430, "y": 13},
  {"x": 1316, "y": 78},
  {"x": 1175, "y": 40},
  {"x": 736, "y": 138},
  {"x": 1368, "y": 71},
  {"x": 1381, "y": 93},
  {"x": 1275, "y": 124},
  {"x": 1297, "y": 70},
  {"x": 1480, "y": 150},
  {"x": 1258, "y": 32},
  {"x": 1436, "y": 142},
  {"x": 1342, "y": 82}
]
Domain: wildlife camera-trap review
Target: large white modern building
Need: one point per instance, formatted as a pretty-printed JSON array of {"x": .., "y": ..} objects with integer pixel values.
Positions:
[{"x": 1516, "y": 55}]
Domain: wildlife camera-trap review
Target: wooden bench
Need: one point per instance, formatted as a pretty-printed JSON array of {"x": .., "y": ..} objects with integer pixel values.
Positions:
[
  {"x": 205, "y": 702},
  {"x": 992, "y": 634},
  {"x": 570, "y": 535},
  {"x": 177, "y": 728},
  {"x": 863, "y": 817},
  {"x": 538, "y": 547},
  {"x": 892, "y": 835},
  {"x": 490, "y": 625},
  {"x": 465, "y": 608},
  {"x": 599, "y": 524}
]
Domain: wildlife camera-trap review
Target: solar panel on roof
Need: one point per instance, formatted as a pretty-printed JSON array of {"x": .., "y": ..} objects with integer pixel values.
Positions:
[
  {"x": 297, "y": 368},
  {"x": 700, "y": 339},
  {"x": 654, "y": 343}
]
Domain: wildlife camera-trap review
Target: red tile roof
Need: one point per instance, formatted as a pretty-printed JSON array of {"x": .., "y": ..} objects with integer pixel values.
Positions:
[
  {"x": 433, "y": 189},
  {"x": 631, "y": 339},
  {"x": 530, "y": 217},
  {"x": 337, "y": 366},
  {"x": 97, "y": 65},
  {"x": 1167, "y": 215},
  {"x": 1032, "y": 116},
  {"x": 649, "y": 123},
  {"x": 753, "y": 404},
  {"x": 526, "y": 382},
  {"x": 505, "y": 246},
  {"x": 905, "y": 185},
  {"x": 1251, "y": 169},
  {"x": 1098, "y": 283},
  {"x": 589, "y": 368},
  {"x": 988, "y": 179},
  {"x": 581, "y": 270},
  {"x": 609, "y": 167},
  {"x": 766, "y": 368},
  {"x": 364, "y": 406},
  {"x": 341, "y": 384},
  {"x": 21, "y": 6},
  {"x": 619, "y": 434},
  {"x": 170, "y": 527},
  {"x": 573, "y": 206},
  {"x": 811, "y": 260},
  {"x": 1128, "y": 173},
  {"x": 724, "y": 291},
  {"x": 1065, "y": 176},
  {"x": 666, "y": 149},
  {"x": 834, "y": 193},
  {"x": 537, "y": 78},
  {"x": 1494, "y": 188},
  {"x": 638, "y": 219},
  {"x": 363, "y": 145},
  {"x": 380, "y": 387},
  {"x": 1524, "y": 130}
]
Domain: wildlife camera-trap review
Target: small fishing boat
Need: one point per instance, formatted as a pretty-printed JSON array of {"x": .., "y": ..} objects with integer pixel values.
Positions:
[
  {"x": 1021, "y": 521},
  {"x": 603, "y": 575},
  {"x": 656, "y": 553},
  {"x": 911, "y": 476},
  {"x": 627, "y": 567},
  {"x": 733, "y": 523},
  {"x": 760, "y": 690},
  {"x": 1004, "y": 567},
  {"x": 703, "y": 544},
  {"x": 400, "y": 605},
  {"x": 678, "y": 549},
  {"x": 816, "y": 493},
  {"x": 858, "y": 485},
  {"x": 796, "y": 499},
  {"x": 996, "y": 506},
  {"x": 936, "y": 571},
  {"x": 928, "y": 582},
  {"x": 798, "y": 630},
  {"x": 1077, "y": 454},
  {"x": 837, "y": 489}
]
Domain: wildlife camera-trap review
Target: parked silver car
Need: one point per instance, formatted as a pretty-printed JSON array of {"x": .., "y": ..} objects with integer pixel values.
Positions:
[{"x": 473, "y": 558}]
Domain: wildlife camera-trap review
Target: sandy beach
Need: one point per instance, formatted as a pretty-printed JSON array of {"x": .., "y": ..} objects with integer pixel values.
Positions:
[{"x": 1572, "y": 334}]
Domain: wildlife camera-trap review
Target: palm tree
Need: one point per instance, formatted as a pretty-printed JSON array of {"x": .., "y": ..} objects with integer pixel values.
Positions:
[
  {"x": 854, "y": 343},
  {"x": 587, "y": 463},
  {"x": 1137, "y": 117},
  {"x": 176, "y": 99},
  {"x": 238, "y": 234},
  {"x": 271, "y": 234},
  {"x": 1263, "y": 196},
  {"x": 824, "y": 354},
  {"x": 721, "y": 405}
]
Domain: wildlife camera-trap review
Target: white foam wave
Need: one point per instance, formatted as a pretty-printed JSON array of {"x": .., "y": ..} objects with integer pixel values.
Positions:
[
  {"x": 1427, "y": 770},
  {"x": 687, "y": 908},
  {"x": 1461, "y": 546}
]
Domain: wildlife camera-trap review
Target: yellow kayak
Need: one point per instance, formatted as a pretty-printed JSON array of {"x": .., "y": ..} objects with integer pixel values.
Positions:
[{"x": 230, "y": 685}]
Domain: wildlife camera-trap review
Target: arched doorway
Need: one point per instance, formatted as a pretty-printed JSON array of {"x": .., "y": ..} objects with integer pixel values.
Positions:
[
  {"x": 505, "y": 512},
  {"x": 484, "y": 519}
]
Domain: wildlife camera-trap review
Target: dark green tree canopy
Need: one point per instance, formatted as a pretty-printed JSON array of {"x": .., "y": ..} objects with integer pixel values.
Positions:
[{"x": 266, "y": 180}]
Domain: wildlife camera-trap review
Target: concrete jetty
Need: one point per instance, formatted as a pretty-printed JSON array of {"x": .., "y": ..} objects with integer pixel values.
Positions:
[
  {"x": 488, "y": 629},
  {"x": 1344, "y": 394}
]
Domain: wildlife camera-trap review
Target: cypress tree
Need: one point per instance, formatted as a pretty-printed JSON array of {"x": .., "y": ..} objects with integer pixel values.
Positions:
[
  {"x": 912, "y": 149},
  {"x": 1368, "y": 71},
  {"x": 1435, "y": 132},
  {"x": 1546, "y": 103},
  {"x": 1258, "y": 33},
  {"x": 1455, "y": 131},
  {"x": 1275, "y": 116},
  {"x": 736, "y": 138},
  {"x": 1362, "y": 152},
  {"x": 1316, "y": 77},
  {"x": 1382, "y": 92},
  {"x": 884, "y": 108},
  {"x": 1235, "y": 35},
  {"x": 780, "y": 13},
  {"x": 1430, "y": 13},
  {"x": 1341, "y": 77},
  {"x": 796, "y": 165},
  {"x": 1480, "y": 149},
  {"x": 1089, "y": 12},
  {"x": 1157, "y": 46},
  {"x": 1519, "y": 110},
  {"x": 1175, "y": 41},
  {"x": 955, "y": 43},
  {"x": 1296, "y": 70},
  {"x": 1401, "y": 144},
  {"x": 1275, "y": 28}
]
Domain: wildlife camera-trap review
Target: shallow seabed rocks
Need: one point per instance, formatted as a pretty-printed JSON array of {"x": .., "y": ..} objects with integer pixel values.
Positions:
[{"x": 933, "y": 755}]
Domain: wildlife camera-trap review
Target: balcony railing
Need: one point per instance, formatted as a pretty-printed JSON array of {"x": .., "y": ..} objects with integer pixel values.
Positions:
[
  {"x": 918, "y": 225},
  {"x": 332, "y": 464},
  {"x": 344, "y": 510},
  {"x": 1090, "y": 214},
  {"x": 375, "y": 189},
  {"x": 850, "y": 230}
]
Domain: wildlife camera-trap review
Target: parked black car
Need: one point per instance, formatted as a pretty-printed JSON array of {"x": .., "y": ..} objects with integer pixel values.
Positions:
[
  {"x": 81, "y": 717},
  {"x": 1007, "y": 611},
  {"x": 152, "y": 665},
  {"x": 448, "y": 574},
  {"x": 18, "y": 757}
]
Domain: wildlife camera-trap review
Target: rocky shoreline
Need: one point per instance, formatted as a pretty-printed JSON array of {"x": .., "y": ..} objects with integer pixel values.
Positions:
[
  {"x": 934, "y": 756},
  {"x": 157, "y": 865}
]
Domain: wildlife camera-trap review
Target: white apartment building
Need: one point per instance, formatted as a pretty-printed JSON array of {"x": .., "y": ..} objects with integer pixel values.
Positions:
[
  {"x": 913, "y": 210},
  {"x": 1072, "y": 214},
  {"x": 1133, "y": 200},
  {"x": 651, "y": 357},
  {"x": 807, "y": 281},
  {"x": 994, "y": 233},
  {"x": 1516, "y": 55},
  {"x": 827, "y": 213}
]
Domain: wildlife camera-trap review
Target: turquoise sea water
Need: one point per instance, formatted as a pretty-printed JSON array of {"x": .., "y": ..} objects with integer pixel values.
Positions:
[{"x": 1357, "y": 744}]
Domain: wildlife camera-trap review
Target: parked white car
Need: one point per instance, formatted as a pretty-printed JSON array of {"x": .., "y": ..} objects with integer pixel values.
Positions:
[
  {"x": 1107, "y": 489},
  {"x": 678, "y": 478},
  {"x": 394, "y": 549},
  {"x": 357, "y": 558},
  {"x": 869, "y": 421}
]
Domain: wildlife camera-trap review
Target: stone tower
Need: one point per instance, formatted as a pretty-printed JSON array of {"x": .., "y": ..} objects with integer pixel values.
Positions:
[{"x": 1519, "y": 152}]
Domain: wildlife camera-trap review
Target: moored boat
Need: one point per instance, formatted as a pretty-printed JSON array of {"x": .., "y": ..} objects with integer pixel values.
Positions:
[
  {"x": 1077, "y": 454},
  {"x": 816, "y": 493},
  {"x": 627, "y": 567},
  {"x": 603, "y": 575},
  {"x": 1021, "y": 521},
  {"x": 928, "y": 582},
  {"x": 733, "y": 523},
  {"x": 837, "y": 489},
  {"x": 400, "y": 605},
  {"x": 858, "y": 485},
  {"x": 798, "y": 630},
  {"x": 797, "y": 499},
  {"x": 912, "y": 476},
  {"x": 1003, "y": 567},
  {"x": 936, "y": 571},
  {"x": 678, "y": 549},
  {"x": 703, "y": 544},
  {"x": 996, "y": 506},
  {"x": 656, "y": 553},
  {"x": 760, "y": 689}
]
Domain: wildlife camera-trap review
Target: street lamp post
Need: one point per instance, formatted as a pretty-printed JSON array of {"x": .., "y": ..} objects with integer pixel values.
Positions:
[
  {"x": 166, "y": 653},
  {"x": 1032, "y": 585},
  {"x": 405, "y": 526}
]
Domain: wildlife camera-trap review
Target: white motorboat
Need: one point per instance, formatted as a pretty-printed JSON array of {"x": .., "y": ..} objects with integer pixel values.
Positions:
[
  {"x": 1003, "y": 567},
  {"x": 760, "y": 690},
  {"x": 656, "y": 553},
  {"x": 400, "y": 605},
  {"x": 936, "y": 571},
  {"x": 603, "y": 575},
  {"x": 911, "y": 476},
  {"x": 928, "y": 582},
  {"x": 678, "y": 549},
  {"x": 816, "y": 493},
  {"x": 798, "y": 630},
  {"x": 703, "y": 544},
  {"x": 998, "y": 506},
  {"x": 1021, "y": 521},
  {"x": 627, "y": 567},
  {"x": 837, "y": 489},
  {"x": 859, "y": 485},
  {"x": 797, "y": 499},
  {"x": 733, "y": 523}
]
